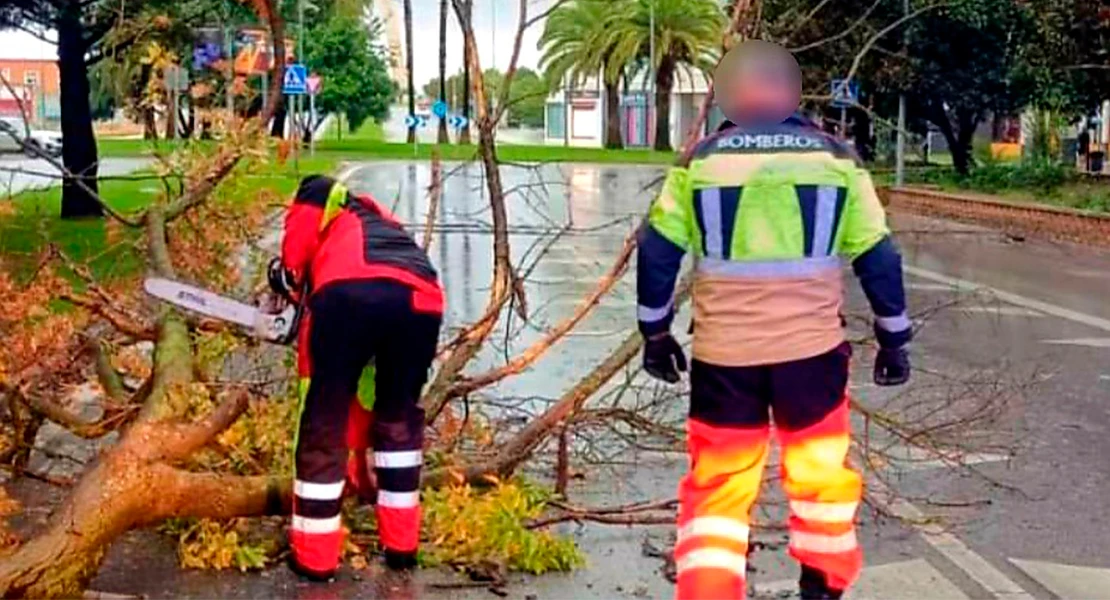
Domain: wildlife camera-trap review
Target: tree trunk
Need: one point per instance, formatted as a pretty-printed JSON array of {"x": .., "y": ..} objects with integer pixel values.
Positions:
[
  {"x": 408, "y": 68},
  {"x": 464, "y": 135},
  {"x": 190, "y": 122},
  {"x": 664, "y": 83},
  {"x": 171, "y": 120},
  {"x": 124, "y": 491},
  {"x": 277, "y": 129},
  {"x": 443, "y": 137},
  {"x": 150, "y": 125},
  {"x": 79, "y": 143},
  {"x": 613, "y": 138},
  {"x": 962, "y": 159},
  {"x": 861, "y": 131}
]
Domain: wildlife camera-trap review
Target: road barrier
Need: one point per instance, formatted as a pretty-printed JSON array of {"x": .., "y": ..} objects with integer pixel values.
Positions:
[{"x": 1016, "y": 218}]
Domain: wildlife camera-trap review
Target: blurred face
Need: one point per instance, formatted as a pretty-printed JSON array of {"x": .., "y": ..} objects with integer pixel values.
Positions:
[{"x": 758, "y": 83}]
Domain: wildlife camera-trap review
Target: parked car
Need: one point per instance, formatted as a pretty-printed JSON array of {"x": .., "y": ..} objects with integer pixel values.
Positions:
[{"x": 16, "y": 137}]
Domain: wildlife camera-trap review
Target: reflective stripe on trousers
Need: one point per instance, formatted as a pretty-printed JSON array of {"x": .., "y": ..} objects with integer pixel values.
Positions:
[{"x": 717, "y": 495}]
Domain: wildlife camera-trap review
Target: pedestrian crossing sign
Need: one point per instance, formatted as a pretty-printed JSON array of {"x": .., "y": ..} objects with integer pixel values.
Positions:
[{"x": 295, "y": 83}]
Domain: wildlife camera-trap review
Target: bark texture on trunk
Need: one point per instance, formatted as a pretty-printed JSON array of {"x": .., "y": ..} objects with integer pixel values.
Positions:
[
  {"x": 78, "y": 141},
  {"x": 664, "y": 83},
  {"x": 464, "y": 135},
  {"x": 443, "y": 137},
  {"x": 408, "y": 67},
  {"x": 613, "y": 138},
  {"x": 150, "y": 124},
  {"x": 277, "y": 128}
]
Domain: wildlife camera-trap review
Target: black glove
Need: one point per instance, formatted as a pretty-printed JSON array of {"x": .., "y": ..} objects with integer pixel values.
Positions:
[
  {"x": 281, "y": 279},
  {"x": 892, "y": 366},
  {"x": 663, "y": 358}
]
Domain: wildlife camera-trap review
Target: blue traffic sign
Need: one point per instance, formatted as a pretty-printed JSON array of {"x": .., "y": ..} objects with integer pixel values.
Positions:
[
  {"x": 458, "y": 121},
  {"x": 845, "y": 93},
  {"x": 296, "y": 80},
  {"x": 439, "y": 109},
  {"x": 415, "y": 121}
]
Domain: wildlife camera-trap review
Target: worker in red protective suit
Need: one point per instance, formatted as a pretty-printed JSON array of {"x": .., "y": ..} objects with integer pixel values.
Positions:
[{"x": 372, "y": 298}]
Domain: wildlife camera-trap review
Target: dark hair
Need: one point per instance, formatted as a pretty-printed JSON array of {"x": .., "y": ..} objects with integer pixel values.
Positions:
[{"x": 726, "y": 124}]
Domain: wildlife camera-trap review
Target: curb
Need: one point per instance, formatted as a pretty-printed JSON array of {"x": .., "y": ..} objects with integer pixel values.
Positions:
[{"x": 1021, "y": 218}]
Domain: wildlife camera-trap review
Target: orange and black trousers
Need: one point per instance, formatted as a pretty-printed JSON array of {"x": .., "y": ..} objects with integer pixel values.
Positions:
[
  {"x": 729, "y": 431},
  {"x": 350, "y": 325}
]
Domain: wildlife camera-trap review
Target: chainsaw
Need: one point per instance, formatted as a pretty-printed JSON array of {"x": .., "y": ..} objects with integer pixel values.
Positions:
[{"x": 279, "y": 327}]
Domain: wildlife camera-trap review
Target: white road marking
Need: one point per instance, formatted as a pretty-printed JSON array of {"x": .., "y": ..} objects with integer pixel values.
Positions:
[
  {"x": 1001, "y": 311},
  {"x": 1045, "y": 307},
  {"x": 975, "y": 566},
  {"x": 1104, "y": 377},
  {"x": 1089, "y": 273},
  {"x": 349, "y": 170},
  {"x": 906, "y": 579},
  {"x": 1068, "y": 582},
  {"x": 931, "y": 287},
  {"x": 911, "y": 458},
  {"x": 1091, "y": 342}
]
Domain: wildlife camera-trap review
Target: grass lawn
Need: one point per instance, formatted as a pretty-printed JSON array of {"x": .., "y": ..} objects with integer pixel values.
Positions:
[
  {"x": 371, "y": 130},
  {"x": 367, "y": 144},
  {"x": 108, "y": 248}
]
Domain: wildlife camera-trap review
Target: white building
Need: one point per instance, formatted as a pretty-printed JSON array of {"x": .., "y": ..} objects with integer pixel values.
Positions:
[{"x": 576, "y": 116}]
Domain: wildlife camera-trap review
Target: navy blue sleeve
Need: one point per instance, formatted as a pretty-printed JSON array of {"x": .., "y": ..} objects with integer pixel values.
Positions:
[
  {"x": 880, "y": 274},
  {"x": 657, "y": 265}
]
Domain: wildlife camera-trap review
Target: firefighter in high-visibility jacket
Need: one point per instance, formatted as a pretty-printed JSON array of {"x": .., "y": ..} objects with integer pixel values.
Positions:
[
  {"x": 373, "y": 299},
  {"x": 770, "y": 209}
]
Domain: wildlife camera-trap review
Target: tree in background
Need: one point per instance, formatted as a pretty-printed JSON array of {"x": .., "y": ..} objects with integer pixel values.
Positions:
[
  {"x": 1071, "y": 56},
  {"x": 687, "y": 35},
  {"x": 408, "y": 68},
  {"x": 527, "y": 99},
  {"x": 578, "y": 43},
  {"x": 442, "y": 96},
  {"x": 81, "y": 27},
  {"x": 355, "y": 76},
  {"x": 465, "y": 7},
  {"x": 968, "y": 60}
]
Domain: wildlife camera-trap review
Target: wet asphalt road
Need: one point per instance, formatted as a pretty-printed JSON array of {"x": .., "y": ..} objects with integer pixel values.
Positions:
[
  {"x": 19, "y": 172},
  {"x": 1030, "y": 367}
]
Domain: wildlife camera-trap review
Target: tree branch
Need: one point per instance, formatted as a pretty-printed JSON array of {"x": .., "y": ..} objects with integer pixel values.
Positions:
[
  {"x": 160, "y": 441},
  {"x": 896, "y": 24},
  {"x": 79, "y": 427},
  {"x": 841, "y": 34},
  {"x": 536, "y": 350}
]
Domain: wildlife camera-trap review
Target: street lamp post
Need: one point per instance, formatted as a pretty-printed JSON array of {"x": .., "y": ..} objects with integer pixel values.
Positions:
[{"x": 651, "y": 70}]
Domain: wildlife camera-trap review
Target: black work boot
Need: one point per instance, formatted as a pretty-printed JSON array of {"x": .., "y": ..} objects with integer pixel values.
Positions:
[
  {"x": 400, "y": 561},
  {"x": 814, "y": 586}
]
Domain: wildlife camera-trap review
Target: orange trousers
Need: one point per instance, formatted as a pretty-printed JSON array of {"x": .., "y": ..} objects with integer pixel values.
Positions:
[{"x": 728, "y": 438}]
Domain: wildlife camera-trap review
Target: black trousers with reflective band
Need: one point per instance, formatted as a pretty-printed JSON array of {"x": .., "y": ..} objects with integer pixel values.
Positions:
[{"x": 352, "y": 323}]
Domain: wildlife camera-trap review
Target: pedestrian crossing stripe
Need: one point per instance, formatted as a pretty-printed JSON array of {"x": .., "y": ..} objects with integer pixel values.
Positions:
[
  {"x": 1068, "y": 582},
  {"x": 919, "y": 579},
  {"x": 1089, "y": 342}
]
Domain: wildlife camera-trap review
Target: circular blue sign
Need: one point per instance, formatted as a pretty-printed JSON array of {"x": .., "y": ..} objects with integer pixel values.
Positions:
[{"x": 439, "y": 109}]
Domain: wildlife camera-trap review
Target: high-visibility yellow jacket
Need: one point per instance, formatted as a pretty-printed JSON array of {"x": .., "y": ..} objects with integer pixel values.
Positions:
[{"x": 770, "y": 215}]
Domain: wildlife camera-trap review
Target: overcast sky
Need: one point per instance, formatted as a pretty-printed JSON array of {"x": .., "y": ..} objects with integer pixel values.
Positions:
[{"x": 495, "y": 23}]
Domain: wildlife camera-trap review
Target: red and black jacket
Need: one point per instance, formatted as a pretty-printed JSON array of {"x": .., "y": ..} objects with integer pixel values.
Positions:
[{"x": 362, "y": 241}]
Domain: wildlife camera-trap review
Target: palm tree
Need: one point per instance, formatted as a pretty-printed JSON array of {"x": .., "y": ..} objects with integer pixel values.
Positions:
[
  {"x": 443, "y": 138},
  {"x": 687, "y": 34},
  {"x": 578, "y": 43},
  {"x": 408, "y": 67}
]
